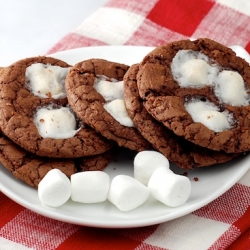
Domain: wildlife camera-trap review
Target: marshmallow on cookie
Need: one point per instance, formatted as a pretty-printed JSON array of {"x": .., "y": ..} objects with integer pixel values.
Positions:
[
  {"x": 230, "y": 88},
  {"x": 56, "y": 123},
  {"x": 192, "y": 69},
  {"x": 209, "y": 115},
  {"x": 45, "y": 80},
  {"x": 48, "y": 81},
  {"x": 113, "y": 93},
  {"x": 195, "y": 70}
]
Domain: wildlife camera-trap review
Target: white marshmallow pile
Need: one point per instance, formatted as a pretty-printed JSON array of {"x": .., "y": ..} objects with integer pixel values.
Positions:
[
  {"x": 208, "y": 114},
  {"x": 57, "y": 123},
  {"x": 45, "y": 80},
  {"x": 194, "y": 69},
  {"x": 123, "y": 191},
  {"x": 113, "y": 94}
]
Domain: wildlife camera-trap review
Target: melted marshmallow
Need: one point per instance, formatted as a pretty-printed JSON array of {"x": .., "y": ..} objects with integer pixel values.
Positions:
[
  {"x": 55, "y": 123},
  {"x": 110, "y": 90},
  {"x": 195, "y": 106},
  {"x": 113, "y": 93},
  {"x": 118, "y": 110},
  {"x": 214, "y": 120},
  {"x": 192, "y": 69},
  {"x": 230, "y": 88},
  {"x": 46, "y": 80},
  {"x": 208, "y": 114}
]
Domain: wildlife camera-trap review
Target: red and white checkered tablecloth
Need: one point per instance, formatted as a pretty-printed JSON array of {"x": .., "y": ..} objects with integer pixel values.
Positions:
[{"x": 222, "y": 224}]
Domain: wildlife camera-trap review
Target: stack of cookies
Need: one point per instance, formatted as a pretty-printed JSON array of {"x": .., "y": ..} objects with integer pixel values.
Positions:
[
  {"x": 187, "y": 99},
  {"x": 39, "y": 130},
  {"x": 194, "y": 95}
]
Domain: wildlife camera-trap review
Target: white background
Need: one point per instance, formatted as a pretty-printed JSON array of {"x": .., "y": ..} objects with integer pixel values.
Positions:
[{"x": 32, "y": 27}]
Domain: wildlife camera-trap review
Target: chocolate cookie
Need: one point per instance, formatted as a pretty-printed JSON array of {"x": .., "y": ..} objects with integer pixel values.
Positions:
[
  {"x": 35, "y": 113},
  {"x": 178, "y": 150},
  {"x": 96, "y": 162},
  {"x": 31, "y": 168},
  {"x": 95, "y": 92},
  {"x": 199, "y": 90},
  {"x": 1, "y": 72}
]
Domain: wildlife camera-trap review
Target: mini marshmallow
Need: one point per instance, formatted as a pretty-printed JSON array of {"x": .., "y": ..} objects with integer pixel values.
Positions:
[
  {"x": 90, "y": 186},
  {"x": 118, "y": 111},
  {"x": 45, "y": 80},
  {"x": 55, "y": 123},
  {"x": 54, "y": 189},
  {"x": 110, "y": 90},
  {"x": 230, "y": 88},
  {"x": 171, "y": 189},
  {"x": 126, "y": 193},
  {"x": 146, "y": 162}
]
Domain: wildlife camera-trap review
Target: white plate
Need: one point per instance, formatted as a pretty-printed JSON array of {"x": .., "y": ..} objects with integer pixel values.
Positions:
[{"x": 212, "y": 181}]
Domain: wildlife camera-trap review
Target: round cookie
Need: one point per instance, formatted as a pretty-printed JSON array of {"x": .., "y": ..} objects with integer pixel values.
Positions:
[
  {"x": 20, "y": 102},
  {"x": 31, "y": 168},
  {"x": 181, "y": 152},
  {"x": 90, "y": 104},
  {"x": 219, "y": 87}
]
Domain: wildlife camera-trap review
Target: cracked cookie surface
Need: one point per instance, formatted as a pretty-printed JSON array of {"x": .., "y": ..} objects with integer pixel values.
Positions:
[
  {"x": 183, "y": 153},
  {"x": 18, "y": 106},
  {"x": 165, "y": 99},
  {"x": 89, "y": 104}
]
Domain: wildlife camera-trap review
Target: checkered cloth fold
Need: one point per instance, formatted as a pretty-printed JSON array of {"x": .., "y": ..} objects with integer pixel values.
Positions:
[{"x": 222, "y": 224}]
